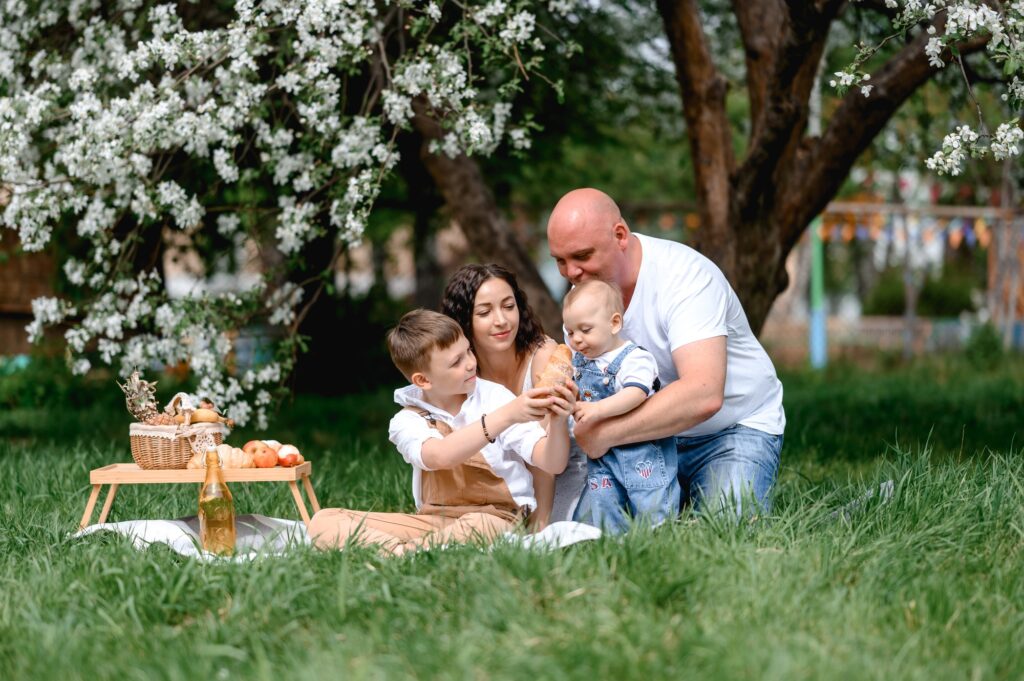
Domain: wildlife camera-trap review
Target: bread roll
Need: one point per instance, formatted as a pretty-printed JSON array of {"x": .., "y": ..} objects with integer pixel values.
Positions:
[
  {"x": 558, "y": 369},
  {"x": 233, "y": 457},
  {"x": 230, "y": 457}
]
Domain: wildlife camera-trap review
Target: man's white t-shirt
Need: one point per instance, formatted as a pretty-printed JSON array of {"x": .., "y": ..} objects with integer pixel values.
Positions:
[
  {"x": 507, "y": 456},
  {"x": 682, "y": 297}
]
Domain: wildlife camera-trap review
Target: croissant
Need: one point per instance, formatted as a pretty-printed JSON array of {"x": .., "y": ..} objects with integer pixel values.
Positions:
[
  {"x": 558, "y": 369},
  {"x": 230, "y": 457}
]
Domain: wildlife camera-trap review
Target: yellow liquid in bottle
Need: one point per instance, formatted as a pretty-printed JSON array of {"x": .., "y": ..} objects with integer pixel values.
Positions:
[{"x": 216, "y": 511}]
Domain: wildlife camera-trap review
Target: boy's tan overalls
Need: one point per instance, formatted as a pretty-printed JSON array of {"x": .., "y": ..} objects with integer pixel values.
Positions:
[{"x": 457, "y": 505}]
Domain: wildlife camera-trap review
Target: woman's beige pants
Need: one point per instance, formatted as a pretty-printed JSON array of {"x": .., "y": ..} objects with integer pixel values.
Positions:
[{"x": 400, "y": 532}]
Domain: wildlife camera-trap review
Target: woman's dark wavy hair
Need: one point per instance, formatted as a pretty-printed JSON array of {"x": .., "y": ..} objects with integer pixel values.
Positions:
[{"x": 460, "y": 296}]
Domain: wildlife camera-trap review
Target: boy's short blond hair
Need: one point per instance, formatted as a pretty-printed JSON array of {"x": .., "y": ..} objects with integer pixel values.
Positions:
[
  {"x": 417, "y": 335},
  {"x": 608, "y": 293}
]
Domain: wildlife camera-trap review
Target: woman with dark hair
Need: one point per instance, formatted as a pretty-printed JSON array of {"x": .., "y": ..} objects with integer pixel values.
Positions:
[{"x": 512, "y": 349}]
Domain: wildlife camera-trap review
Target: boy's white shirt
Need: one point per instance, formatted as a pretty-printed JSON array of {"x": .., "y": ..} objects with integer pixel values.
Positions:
[
  {"x": 506, "y": 456},
  {"x": 638, "y": 368}
]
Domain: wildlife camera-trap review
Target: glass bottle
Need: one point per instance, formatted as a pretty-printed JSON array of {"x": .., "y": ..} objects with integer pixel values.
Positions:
[{"x": 216, "y": 509}]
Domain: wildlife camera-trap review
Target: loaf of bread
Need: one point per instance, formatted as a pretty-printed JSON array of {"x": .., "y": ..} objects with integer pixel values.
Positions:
[
  {"x": 230, "y": 457},
  {"x": 558, "y": 369}
]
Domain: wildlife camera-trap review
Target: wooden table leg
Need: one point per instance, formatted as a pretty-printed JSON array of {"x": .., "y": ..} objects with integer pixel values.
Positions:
[
  {"x": 89, "y": 506},
  {"x": 107, "y": 502},
  {"x": 310, "y": 494},
  {"x": 299, "y": 502}
]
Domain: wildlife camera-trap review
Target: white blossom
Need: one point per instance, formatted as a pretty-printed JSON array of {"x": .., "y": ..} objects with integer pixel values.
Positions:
[
  {"x": 116, "y": 126},
  {"x": 282, "y": 304},
  {"x": 562, "y": 7},
  {"x": 955, "y": 148},
  {"x": 1005, "y": 141},
  {"x": 225, "y": 165},
  {"x": 74, "y": 270},
  {"x": 489, "y": 12},
  {"x": 519, "y": 138},
  {"x": 228, "y": 224},
  {"x": 47, "y": 311},
  {"x": 934, "y": 51},
  {"x": 519, "y": 28},
  {"x": 1002, "y": 25},
  {"x": 295, "y": 225},
  {"x": 1015, "y": 91}
]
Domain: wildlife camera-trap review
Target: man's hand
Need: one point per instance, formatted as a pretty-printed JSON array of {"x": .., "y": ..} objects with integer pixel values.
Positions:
[{"x": 589, "y": 437}]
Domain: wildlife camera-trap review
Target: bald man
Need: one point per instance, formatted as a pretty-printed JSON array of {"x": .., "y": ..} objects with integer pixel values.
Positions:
[{"x": 720, "y": 396}]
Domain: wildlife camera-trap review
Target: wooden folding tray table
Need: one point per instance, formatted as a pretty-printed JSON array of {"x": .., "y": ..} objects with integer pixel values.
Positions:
[{"x": 118, "y": 474}]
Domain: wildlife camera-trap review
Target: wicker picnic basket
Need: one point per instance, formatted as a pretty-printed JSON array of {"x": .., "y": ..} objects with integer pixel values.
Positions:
[
  {"x": 162, "y": 447},
  {"x": 161, "y": 442}
]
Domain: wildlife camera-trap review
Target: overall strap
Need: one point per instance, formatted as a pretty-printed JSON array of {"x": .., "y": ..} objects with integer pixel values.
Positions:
[
  {"x": 435, "y": 423},
  {"x": 616, "y": 363}
]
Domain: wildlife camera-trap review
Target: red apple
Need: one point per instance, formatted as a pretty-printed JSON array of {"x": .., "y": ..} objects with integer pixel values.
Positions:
[
  {"x": 289, "y": 460},
  {"x": 285, "y": 450},
  {"x": 251, "y": 446},
  {"x": 264, "y": 457}
]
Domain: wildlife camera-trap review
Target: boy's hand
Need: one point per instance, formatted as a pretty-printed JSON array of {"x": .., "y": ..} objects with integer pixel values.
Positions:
[
  {"x": 587, "y": 411},
  {"x": 532, "y": 405}
]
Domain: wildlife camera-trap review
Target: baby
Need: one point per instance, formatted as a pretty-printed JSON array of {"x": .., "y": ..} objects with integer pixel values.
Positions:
[{"x": 615, "y": 376}]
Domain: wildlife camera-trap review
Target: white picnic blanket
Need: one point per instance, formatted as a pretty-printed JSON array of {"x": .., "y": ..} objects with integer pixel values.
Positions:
[
  {"x": 260, "y": 535},
  {"x": 255, "y": 535}
]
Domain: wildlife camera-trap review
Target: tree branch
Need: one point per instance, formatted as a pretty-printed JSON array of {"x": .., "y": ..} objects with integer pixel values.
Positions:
[
  {"x": 760, "y": 23},
  {"x": 855, "y": 124},
  {"x": 703, "y": 90},
  {"x": 973, "y": 76},
  {"x": 779, "y": 126}
]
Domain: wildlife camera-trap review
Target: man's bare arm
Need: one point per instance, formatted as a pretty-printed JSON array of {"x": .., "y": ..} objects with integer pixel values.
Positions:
[{"x": 692, "y": 399}]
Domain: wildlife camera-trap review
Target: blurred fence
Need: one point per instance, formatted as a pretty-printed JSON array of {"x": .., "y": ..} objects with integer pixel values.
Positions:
[{"x": 787, "y": 340}]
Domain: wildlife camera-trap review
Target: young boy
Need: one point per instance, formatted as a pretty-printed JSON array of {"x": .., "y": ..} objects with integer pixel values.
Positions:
[
  {"x": 614, "y": 377},
  {"x": 467, "y": 439}
]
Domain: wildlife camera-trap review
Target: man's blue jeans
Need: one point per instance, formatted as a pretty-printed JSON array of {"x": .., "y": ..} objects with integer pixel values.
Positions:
[{"x": 733, "y": 468}]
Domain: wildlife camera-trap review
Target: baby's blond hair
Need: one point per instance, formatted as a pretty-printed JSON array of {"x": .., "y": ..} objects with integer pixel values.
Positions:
[{"x": 609, "y": 295}]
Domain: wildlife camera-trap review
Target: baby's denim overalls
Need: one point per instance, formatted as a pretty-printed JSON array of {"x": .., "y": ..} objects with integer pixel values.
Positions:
[{"x": 635, "y": 480}]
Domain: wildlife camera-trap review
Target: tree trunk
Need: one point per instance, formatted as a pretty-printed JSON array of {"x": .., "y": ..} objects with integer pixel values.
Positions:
[
  {"x": 760, "y": 268},
  {"x": 471, "y": 203},
  {"x": 753, "y": 214}
]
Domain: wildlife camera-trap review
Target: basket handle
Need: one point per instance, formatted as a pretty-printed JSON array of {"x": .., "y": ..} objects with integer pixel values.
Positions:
[{"x": 183, "y": 403}]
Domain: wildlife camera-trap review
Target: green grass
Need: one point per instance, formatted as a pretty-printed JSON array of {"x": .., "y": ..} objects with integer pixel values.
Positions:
[{"x": 927, "y": 586}]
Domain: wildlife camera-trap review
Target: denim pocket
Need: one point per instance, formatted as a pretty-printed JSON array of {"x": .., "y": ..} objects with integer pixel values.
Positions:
[{"x": 643, "y": 466}]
